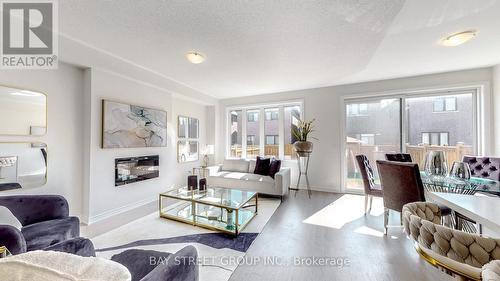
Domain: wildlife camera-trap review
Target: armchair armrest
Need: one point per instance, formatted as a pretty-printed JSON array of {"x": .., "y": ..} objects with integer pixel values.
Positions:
[
  {"x": 491, "y": 271},
  {"x": 214, "y": 169},
  {"x": 30, "y": 209},
  {"x": 182, "y": 265},
  {"x": 282, "y": 180},
  {"x": 13, "y": 239},
  {"x": 82, "y": 247}
]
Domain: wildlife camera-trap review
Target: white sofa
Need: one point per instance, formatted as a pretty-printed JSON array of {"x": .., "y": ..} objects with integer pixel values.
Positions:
[{"x": 238, "y": 174}]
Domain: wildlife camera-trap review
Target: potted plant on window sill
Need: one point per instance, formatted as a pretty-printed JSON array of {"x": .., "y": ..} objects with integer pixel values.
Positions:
[{"x": 301, "y": 133}]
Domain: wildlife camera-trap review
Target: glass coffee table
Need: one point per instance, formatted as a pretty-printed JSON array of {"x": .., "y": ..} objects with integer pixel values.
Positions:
[{"x": 216, "y": 208}]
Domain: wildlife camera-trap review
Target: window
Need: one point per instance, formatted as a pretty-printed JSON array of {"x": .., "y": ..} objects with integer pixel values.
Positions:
[
  {"x": 357, "y": 109},
  {"x": 253, "y": 133},
  {"x": 267, "y": 131},
  {"x": 272, "y": 114},
  {"x": 402, "y": 123},
  {"x": 442, "y": 104},
  {"x": 235, "y": 129},
  {"x": 381, "y": 121},
  {"x": 292, "y": 117},
  {"x": 253, "y": 116},
  {"x": 439, "y": 138},
  {"x": 250, "y": 140},
  {"x": 367, "y": 139},
  {"x": 272, "y": 140},
  {"x": 272, "y": 131}
]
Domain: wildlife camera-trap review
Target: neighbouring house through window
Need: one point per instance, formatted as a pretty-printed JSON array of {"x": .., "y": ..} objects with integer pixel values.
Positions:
[
  {"x": 250, "y": 140},
  {"x": 272, "y": 139},
  {"x": 443, "y": 104},
  {"x": 435, "y": 138},
  {"x": 357, "y": 109}
]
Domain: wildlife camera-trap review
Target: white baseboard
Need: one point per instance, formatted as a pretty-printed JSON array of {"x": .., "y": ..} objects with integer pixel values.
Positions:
[
  {"x": 119, "y": 210},
  {"x": 317, "y": 188}
]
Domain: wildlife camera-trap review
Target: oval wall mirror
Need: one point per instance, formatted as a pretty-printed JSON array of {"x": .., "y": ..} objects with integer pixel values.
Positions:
[
  {"x": 22, "y": 165},
  {"x": 26, "y": 112}
]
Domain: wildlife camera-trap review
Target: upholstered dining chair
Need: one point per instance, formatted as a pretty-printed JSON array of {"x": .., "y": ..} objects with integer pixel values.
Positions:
[
  {"x": 370, "y": 187},
  {"x": 484, "y": 167},
  {"x": 401, "y": 184},
  {"x": 398, "y": 157},
  {"x": 480, "y": 167},
  {"x": 464, "y": 255}
]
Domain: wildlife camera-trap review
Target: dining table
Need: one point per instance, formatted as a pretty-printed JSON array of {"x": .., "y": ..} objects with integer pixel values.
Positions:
[
  {"x": 477, "y": 199},
  {"x": 484, "y": 210},
  {"x": 471, "y": 186}
]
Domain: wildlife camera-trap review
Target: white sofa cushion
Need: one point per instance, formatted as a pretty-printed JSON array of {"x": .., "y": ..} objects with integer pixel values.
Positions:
[
  {"x": 235, "y": 165},
  {"x": 59, "y": 266},
  {"x": 7, "y": 218},
  {"x": 243, "y": 181},
  {"x": 244, "y": 176}
]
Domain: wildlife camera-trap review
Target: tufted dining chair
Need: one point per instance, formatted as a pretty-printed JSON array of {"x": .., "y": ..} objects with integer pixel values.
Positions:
[
  {"x": 398, "y": 157},
  {"x": 468, "y": 256},
  {"x": 370, "y": 187},
  {"x": 484, "y": 167},
  {"x": 401, "y": 184},
  {"x": 480, "y": 167}
]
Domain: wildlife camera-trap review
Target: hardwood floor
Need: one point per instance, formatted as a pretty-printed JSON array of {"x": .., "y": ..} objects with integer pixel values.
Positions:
[{"x": 328, "y": 226}]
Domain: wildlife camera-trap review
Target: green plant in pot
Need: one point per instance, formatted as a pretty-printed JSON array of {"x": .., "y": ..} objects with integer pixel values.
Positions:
[{"x": 302, "y": 133}]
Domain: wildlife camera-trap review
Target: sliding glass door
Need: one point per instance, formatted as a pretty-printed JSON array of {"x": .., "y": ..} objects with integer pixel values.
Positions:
[
  {"x": 372, "y": 128},
  {"x": 414, "y": 124},
  {"x": 440, "y": 122}
]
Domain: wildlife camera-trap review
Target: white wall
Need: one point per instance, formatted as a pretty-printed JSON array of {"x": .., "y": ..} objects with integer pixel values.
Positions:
[
  {"x": 64, "y": 138},
  {"x": 104, "y": 199},
  {"x": 496, "y": 108},
  {"x": 78, "y": 168},
  {"x": 326, "y": 105}
]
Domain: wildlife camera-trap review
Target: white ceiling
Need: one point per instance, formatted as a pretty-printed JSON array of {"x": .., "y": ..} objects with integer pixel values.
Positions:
[{"x": 265, "y": 46}]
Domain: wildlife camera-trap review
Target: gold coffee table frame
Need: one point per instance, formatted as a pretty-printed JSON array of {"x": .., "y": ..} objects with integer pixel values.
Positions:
[
  {"x": 4, "y": 252},
  {"x": 188, "y": 201}
]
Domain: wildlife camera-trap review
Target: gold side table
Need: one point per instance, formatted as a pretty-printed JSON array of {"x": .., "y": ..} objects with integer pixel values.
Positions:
[{"x": 4, "y": 252}]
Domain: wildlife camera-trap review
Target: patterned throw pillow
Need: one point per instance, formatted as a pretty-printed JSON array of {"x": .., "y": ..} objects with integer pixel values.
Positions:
[
  {"x": 274, "y": 167},
  {"x": 262, "y": 166}
]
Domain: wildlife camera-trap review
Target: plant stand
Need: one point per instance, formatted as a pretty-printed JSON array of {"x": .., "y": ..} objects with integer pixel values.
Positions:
[{"x": 303, "y": 163}]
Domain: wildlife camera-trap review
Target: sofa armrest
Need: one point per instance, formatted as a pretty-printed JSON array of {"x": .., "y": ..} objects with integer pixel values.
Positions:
[
  {"x": 214, "y": 169},
  {"x": 182, "y": 265},
  {"x": 13, "y": 239},
  {"x": 30, "y": 209},
  {"x": 282, "y": 180},
  {"x": 82, "y": 247}
]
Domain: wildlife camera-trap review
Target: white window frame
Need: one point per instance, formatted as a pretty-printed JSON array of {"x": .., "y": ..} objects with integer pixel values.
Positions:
[{"x": 261, "y": 107}]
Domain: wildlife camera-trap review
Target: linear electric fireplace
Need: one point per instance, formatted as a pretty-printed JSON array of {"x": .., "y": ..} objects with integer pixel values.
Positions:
[{"x": 134, "y": 169}]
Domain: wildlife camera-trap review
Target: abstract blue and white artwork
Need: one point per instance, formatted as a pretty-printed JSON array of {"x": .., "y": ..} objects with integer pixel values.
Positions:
[{"x": 126, "y": 125}]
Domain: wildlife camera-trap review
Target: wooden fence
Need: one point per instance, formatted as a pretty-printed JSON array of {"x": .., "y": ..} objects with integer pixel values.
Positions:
[
  {"x": 269, "y": 150},
  {"x": 417, "y": 152}
]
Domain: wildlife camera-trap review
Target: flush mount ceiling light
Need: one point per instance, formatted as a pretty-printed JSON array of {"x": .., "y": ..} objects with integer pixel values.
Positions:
[
  {"x": 458, "y": 38},
  {"x": 195, "y": 57}
]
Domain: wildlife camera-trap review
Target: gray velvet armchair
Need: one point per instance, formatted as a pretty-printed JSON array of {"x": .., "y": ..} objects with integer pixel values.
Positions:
[
  {"x": 46, "y": 225},
  {"x": 148, "y": 265}
]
